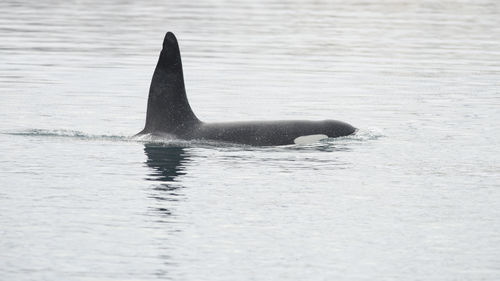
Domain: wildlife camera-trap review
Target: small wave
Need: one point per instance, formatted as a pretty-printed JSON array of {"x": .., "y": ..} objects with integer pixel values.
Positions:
[
  {"x": 366, "y": 135},
  {"x": 66, "y": 134},
  {"x": 167, "y": 140}
]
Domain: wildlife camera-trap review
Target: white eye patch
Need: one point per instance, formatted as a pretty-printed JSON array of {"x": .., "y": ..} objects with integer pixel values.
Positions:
[{"x": 309, "y": 139}]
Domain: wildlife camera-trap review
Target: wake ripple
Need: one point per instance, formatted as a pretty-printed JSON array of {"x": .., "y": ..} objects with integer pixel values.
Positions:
[
  {"x": 62, "y": 133},
  {"x": 167, "y": 140}
]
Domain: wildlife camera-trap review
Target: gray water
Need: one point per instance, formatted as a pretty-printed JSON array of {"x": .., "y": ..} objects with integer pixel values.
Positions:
[{"x": 414, "y": 195}]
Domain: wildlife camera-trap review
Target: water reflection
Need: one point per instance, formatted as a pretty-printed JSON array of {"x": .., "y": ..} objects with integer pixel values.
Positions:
[{"x": 166, "y": 163}]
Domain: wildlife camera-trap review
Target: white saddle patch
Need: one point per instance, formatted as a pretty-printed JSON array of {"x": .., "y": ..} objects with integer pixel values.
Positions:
[{"x": 309, "y": 139}]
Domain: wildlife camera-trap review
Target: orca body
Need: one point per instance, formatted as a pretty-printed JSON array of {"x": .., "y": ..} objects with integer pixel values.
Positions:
[{"x": 169, "y": 113}]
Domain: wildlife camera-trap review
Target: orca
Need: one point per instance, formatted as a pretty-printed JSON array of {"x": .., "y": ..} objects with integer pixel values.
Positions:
[{"x": 169, "y": 113}]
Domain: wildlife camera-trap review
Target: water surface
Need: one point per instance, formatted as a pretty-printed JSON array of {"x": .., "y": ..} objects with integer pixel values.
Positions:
[{"x": 413, "y": 196}]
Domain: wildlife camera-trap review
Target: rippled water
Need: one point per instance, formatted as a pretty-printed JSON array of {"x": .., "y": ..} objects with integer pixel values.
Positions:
[{"x": 413, "y": 196}]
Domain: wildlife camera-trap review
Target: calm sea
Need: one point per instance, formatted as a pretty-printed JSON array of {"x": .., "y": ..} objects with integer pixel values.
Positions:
[{"x": 415, "y": 195}]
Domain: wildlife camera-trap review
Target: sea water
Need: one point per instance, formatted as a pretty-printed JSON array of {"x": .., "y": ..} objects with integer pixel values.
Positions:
[{"x": 414, "y": 195}]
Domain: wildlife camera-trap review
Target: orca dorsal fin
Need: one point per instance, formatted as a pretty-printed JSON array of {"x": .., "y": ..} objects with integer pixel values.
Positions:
[{"x": 168, "y": 108}]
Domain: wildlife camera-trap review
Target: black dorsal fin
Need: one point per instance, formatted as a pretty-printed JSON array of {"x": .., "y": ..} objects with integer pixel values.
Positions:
[{"x": 168, "y": 108}]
